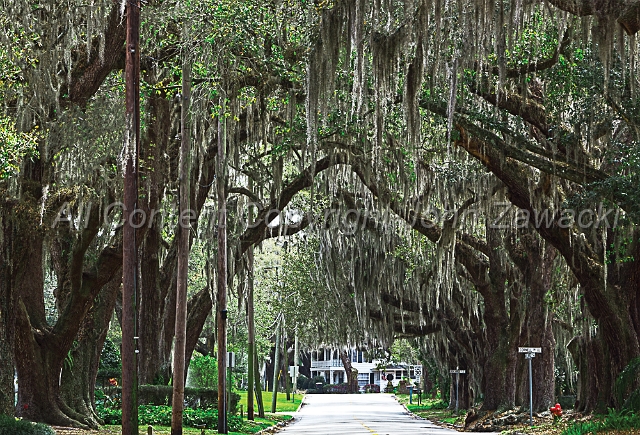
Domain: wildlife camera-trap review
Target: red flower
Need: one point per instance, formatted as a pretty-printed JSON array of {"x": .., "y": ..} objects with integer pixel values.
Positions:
[
  {"x": 556, "y": 410},
  {"x": 25, "y": 406}
]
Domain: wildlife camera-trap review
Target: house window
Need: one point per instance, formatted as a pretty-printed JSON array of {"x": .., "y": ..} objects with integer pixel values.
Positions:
[{"x": 359, "y": 357}]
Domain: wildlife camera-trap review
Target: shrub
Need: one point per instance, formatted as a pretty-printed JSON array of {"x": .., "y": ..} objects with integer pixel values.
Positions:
[
  {"x": 303, "y": 382},
  {"x": 10, "y": 426},
  {"x": 110, "y": 361},
  {"x": 203, "y": 372},
  {"x": 336, "y": 388},
  {"x": 162, "y": 394},
  {"x": 314, "y": 380},
  {"x": 627, "y": 393},
  {"x": 155, "y": 394},
  {"x": 161, "y": 416},
  {"x": 440, "y": 404},
  {"x": 372, "y": 388},
  {"x": 615, "y": 420}
]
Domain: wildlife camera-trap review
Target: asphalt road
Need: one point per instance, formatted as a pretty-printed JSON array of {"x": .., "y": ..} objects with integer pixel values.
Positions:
[{"x": 357, "y": 414}]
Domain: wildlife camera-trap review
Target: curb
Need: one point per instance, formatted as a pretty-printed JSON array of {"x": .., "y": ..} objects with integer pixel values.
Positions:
[
  {"x": 301, "y": 403},
  {"x": 282, "y": 424},
  {"x": 437, "y": 423},
  {"x": 275, "y": 428}
]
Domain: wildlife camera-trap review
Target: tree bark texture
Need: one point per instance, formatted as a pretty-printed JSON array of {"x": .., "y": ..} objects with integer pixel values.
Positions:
[
  {"x": 348, "y": 368},
  {"x": 41, "y": 349},
  {"x": 536, "y": 261},
  {"x": 79, "y": 373},
  {"x": 7, "y": 319}
]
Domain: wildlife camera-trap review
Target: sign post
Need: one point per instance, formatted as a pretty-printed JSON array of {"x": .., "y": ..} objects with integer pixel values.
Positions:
[
  {"x": 231, "y": 363},
  {"x": 457, "y": 372},
  {"x": 417, "y": 370},
  {"x": 293, "y": 374},
  {"x": 529, "y": 354}
]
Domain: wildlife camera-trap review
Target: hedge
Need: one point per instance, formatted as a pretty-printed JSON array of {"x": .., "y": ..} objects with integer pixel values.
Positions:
[
  {"x": 336, "y": 388},
  {"x": 161, "y": 416},
  {"x": 193, "y": 397},
  {"x": 10, "y": 426},
  {"x": 372, "y": 388}
]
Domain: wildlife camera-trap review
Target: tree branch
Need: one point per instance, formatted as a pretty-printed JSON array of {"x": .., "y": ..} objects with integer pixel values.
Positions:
[
  {"x": 259, "y": 229},
  {"x": 86, "y": 79}
]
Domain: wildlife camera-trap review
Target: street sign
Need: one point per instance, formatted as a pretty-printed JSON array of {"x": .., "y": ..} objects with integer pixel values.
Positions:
[
  {"x": 529, "y": 354},
  {"x": 457, "y": 372},
  {"x": 231, "y": 360},
  {"x": 530, "y": 350},
  {"x": 293, "y": 372}
]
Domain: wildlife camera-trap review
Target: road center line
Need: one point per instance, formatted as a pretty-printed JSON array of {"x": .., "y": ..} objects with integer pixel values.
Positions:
[{"x": 365, "y": 426}]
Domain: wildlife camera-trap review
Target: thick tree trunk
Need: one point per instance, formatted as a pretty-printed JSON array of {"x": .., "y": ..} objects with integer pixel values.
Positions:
[
  {"x": 463, "y": 390},
  {"x": 198, "y": 309},
  {"x": 157, "y": 305},
  {"x": 610, "y": 292},
  {"x": 428, "y": 386},
  {"x": 7, "y": 318},
  {"x": 79, "y": 374},
  {"x": 351, "y": 374},
  {"x": 39, "y": 354},
  {"x": 498, "y": 381},
  {"x": 499, "y": 374},
  {"x": 39, "y": 359},
  {"x": 155, "y": 329},
  {"x": 154, "y": 360},
  {"x": 589, "y": 355},
  {"x": 535, "y": 261},
  {"x": 540, "y": 334},
  {"x": 41, "y": 349}
]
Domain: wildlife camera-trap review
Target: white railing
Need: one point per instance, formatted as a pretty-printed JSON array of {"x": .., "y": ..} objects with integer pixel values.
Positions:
[{"x": 326, "y": 364}]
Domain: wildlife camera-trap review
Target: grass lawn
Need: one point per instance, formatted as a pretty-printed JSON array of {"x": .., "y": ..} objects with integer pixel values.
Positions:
[
  {"x": 617, "y": 424},
  {"x": 282, "y": 405},
  {"x": 249, "y": 428},
  {"x": 433, "y": 410}
]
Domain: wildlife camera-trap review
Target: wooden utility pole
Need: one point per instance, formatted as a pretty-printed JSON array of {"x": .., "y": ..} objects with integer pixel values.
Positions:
[
  {"x": 252, "y": 330},
  {"x": 177, "y": 404},
  {"x": 221, "y": 298},
  {"x": 129, "y": 246}
]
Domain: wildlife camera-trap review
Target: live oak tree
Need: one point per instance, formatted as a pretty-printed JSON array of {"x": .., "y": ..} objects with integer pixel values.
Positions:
[{"x": 386, "y": 108}]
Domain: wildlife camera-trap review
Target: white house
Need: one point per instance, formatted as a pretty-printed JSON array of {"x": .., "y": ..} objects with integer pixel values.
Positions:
[{"x": 327, "y": 363}]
